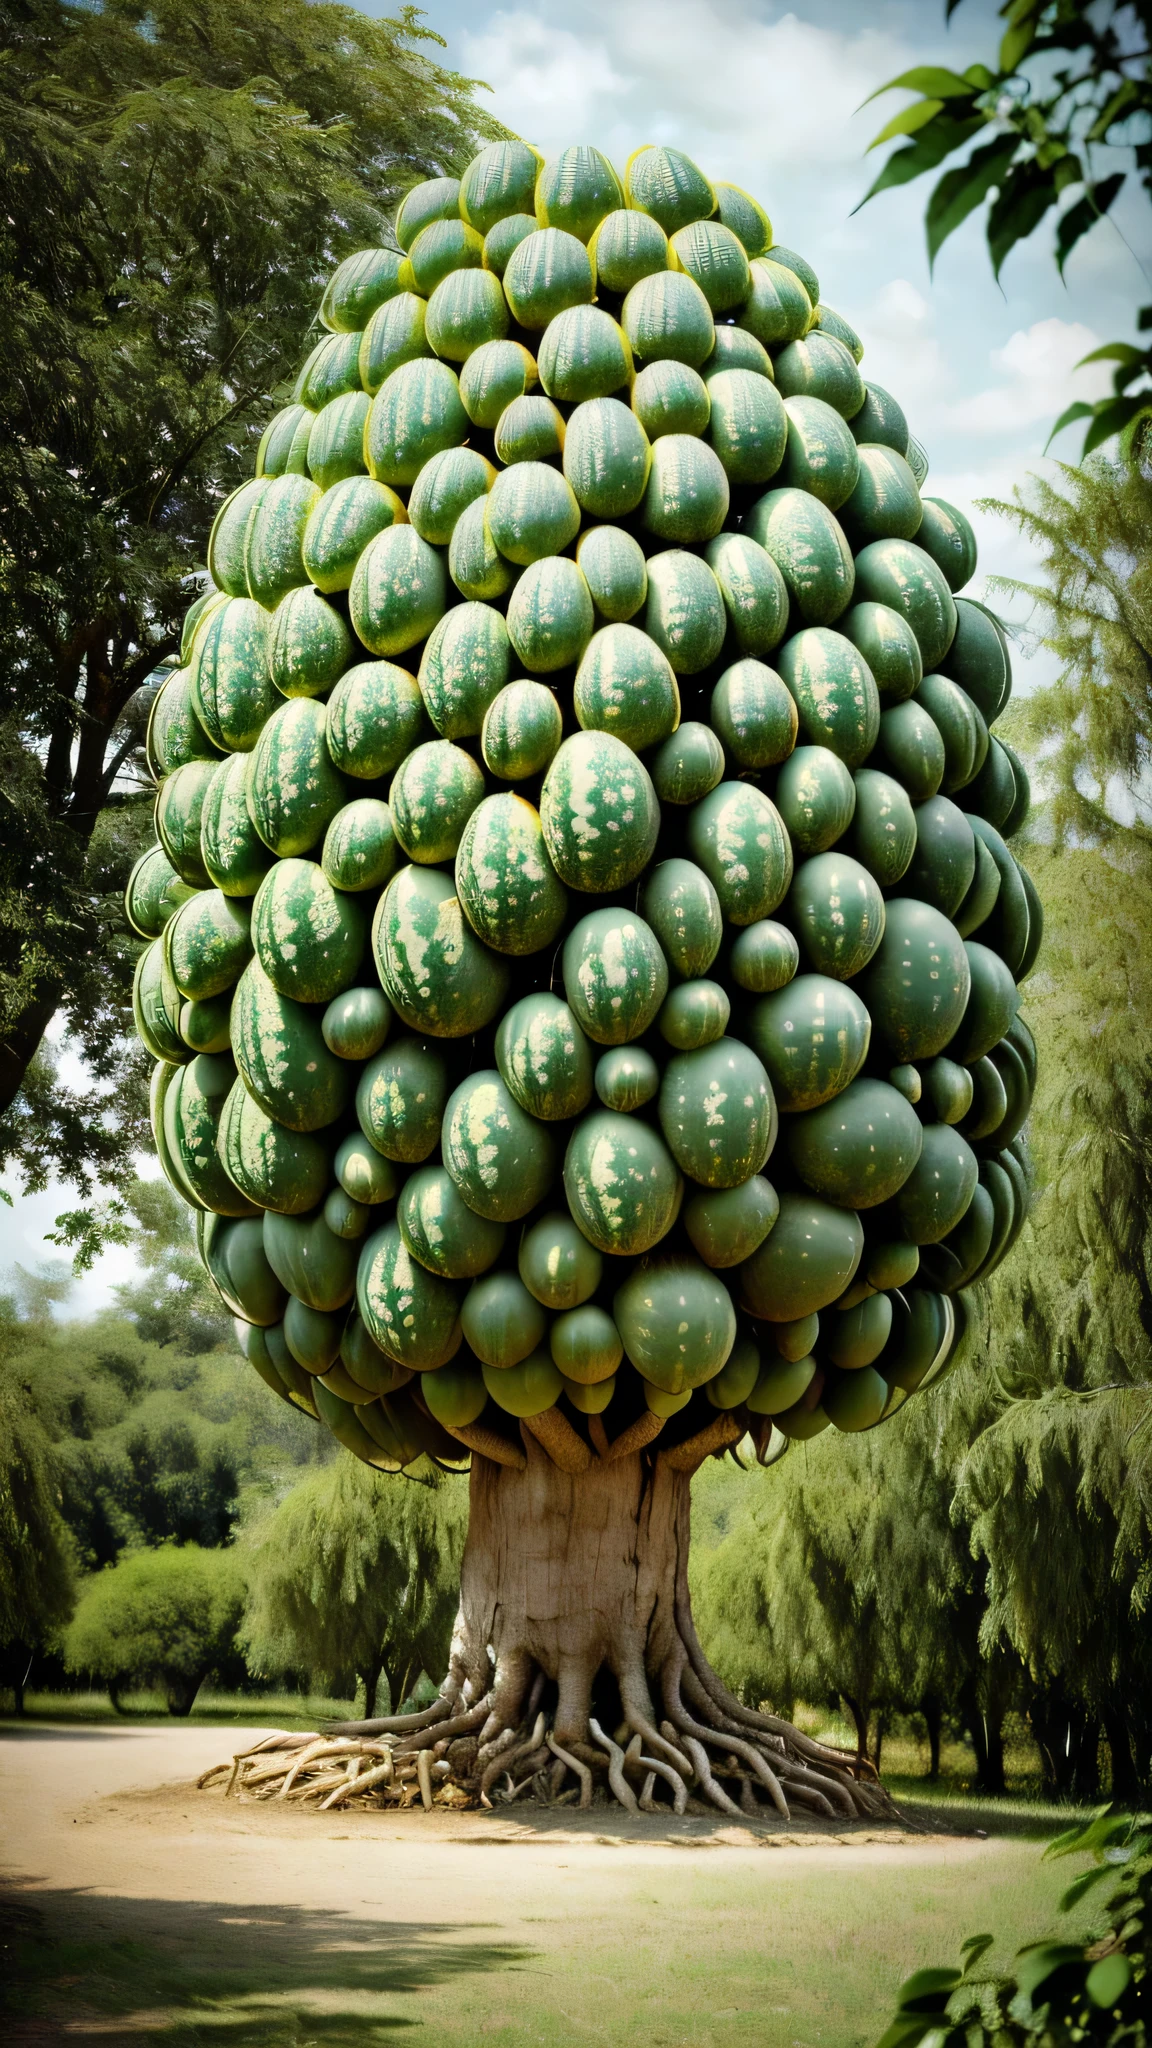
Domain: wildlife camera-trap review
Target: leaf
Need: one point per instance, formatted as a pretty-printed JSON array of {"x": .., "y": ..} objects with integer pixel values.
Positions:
[
  {"x": 962, "y": 190},
  {"x": 1084, "y": 1884},
  {"x": 927, "y": 1990},
  {"x": 1041, "y": 1960},
  {"x": 1126, "y": 96},
  {"x": 1024, "y": 199},
  {"x": 1023, "y": 18},
  {"x": 916, "y": 116},
  {"x": 1113, "y": 352},
  {"x": 1108, "y": 1980},
  {"x": 1112, "y": 416},
  {"x": 972, "y": 1949},
  {"x": 931, "y": 79},
  {"x": 934, "y": 143},
  {"x": 1084, "y": 215}
]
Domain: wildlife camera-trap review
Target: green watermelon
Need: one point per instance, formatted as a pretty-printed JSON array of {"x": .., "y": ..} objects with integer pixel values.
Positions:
[
  {"x": 716, "y": 260},
  {"x": 626, "y": 247},
  {"x": 344, "y": 1217},
  {"x": 364, "y": 1361},
  {"x": 504, "y": 879},
  {"x": 746, "y": 218},
  {"x": 599, "y": 813},
  {"x": 608, "y": 462},
  {"x": 800, "y": 267},
  {"x": 992, "y": 1002},
  {"x": 748, "y": 427},
  {"x": 882, "y": 833},
  {"x": 754, "y": 714},
  {"x": 816, "y": 797},
  {"x": 586, "y": 1345},
  {"x": 735, "y": 349},
  {"x": 441, "y": 1231},
  {"x": 625, "y": 686},
  {"x": 438, "y": 977},
  {"x": 943, "y": 866},
  {"x": 807, "y": 1260},
  {"x": 764, "y": 957},
  {"x": 885, "y": 503},
  {"x": 494, "y": 376},
  {"x": 559, "y": 1266},
  {"x": 688, "y": 495},
  {"x": 332, "y": 367},
  {"x": 615, "y": 975},
  {"x": 398, "y": 591},
  {"x": 376, "y": 716},
  {"x": 809, "y": 548},
  {"x": 179, "y": 809},
  {"x": 780, "y": 1385},
  {"x": 498, "y": 182},
  {"x": 230, "y": 685},
  {"x": 313, "y": 1339},
  {"x": 909, "y": 742},
  {"x": 917, "y": 985},
  {"x": 531, "y": 430},
  {"x": 683, "y": 910},
  {"x": 888, "y": 645},
  {"x": 671, "y": 398},
  {"x": 820, "y": 456},
  {"x": 836, "y": 697},
  {"x": 584, "y": 354},
  {"x": 754, "y": 592},
  {"x": 685, "y": 613},
  {"x": 283, "y": 446},
  {"x": 940, "y": 1186},
  {"x": 308, "y": 645},
  {"x": 856, "y": 1400},
  {"x": 235, "y": 1258},
  {"x": 842, "y": 330},
  {"x": 465, "y": 663},
  {"x": 778, "y": 308},
  {"x": 502, "y": 1322},
  {"x": 356, "y": 1023},
  {"x": 531, "y": 512},
  {"x": 856, "y": 1338},
  {"x": 466, "y": 310},
  {"x": 546, "y": 273},
  {"x": 394, "y": 335},
  {"x": 360, "y": 846},
  {"x": 667, "y": 317},
  {"x": 521, "y": 732},
  {"x": 898, "y": 573},
  {"x": 282, "y": 1057},
  {"x": 412, "y": 1314},
  {"x": 544, "y": 1059},
  {"x": 336, "y": 439},
  {"x": 892, "y": 1265},
  {"x": 993, "y": 793},
  {"x": 881, "y": 420},
  {"x": 813, "y": 1038},
  {"x": 528, "y": 1388},
  {"x": 948, "y": 1089},
  {"x": 977, "y": 659},
  {"x": 960, "y": 726},
  {"x": 738, "y": 837},
  {"x": 443, "y": 247},
  {"x": 192, "y": 1110},
  {"x": 316, "y": 1266},
  {"x": 688, "y": 765},
  {"x": 819, "y": 366},
  {"x": 153, "y": 893},
  {"x": 355, "y": 289},
  {"x": 293, "y": 789},
  {"x": 416, "y": 412},
  {"x": 434, "y": 793},
  {"x": 233, "y": 853},
  {"x": 717, "y": 1113},
  {"x": 626, "y": 1078},
  {"x": 400, "y": 1100},
  {"x": 575, "y": 190},
  {"x": 309, "y": 937},
  {"x": 205, "y": 1025},
  {"x": 726, "y": 1225},
  {"x": 455, "y": 1394},
  {"x": 228, "y": 535},
  {"x": 663, "y": 182},
  {"x": 622, "y": 1183},
  {"x": 947, "y": 536},
  {"x": 838, "y": 913},
  {"x": 274, "y": 1167},
  {"x": 859, "y": 1149},
  {"x": 445, "y": 488},
  {"x": 208, "y": 944},
  {"x": 501, "y": 1159},
  {"x": 613, "y": 566},
  {"x": 274, "y": 539},
  {"x": 340, "y": 527},
  {"x": 676, "y": 1323}
]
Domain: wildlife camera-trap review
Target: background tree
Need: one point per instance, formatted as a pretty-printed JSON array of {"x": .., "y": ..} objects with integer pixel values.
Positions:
[
  {"x": 357, "y": 1576},
  {"x": 36, "y": 1551},
  {"x": 1070, "y": 79},
  {"x": 165, "y": 1617},
  {"x": 175, "y": 182}
]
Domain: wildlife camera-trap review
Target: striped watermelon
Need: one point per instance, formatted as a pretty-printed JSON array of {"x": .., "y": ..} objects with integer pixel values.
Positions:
[
  {"x": 625, "y": 686},
  {"x": 444, "y": 489},
  {"x": 685, "y": 613},
  {"x": 550, "y": 615},
  {"x": 821, "y": 456},
  {"x": 599, "y": 813},
  {"x": 738, "y": 837},
  {"x": 493, "y": 377},
  {"x": 234, "y": 855},
  {"x": 154, "y": 892},
  {"x": 434, "y": 793},
  {"x": 274, "y": 540},
  {"x": 293, "y": 791},
  {"x": 309, "y": 937},
  {"x": 809, "y": 548},
  {"x": 179, "y": 808},
  {"x": 231, "y": 688},
  {"x": 546, "y": 273},
  {"x": 283, "y": 1060},
  {"x": 606, "y": 458},
  {"x": 584, "y": 354},
  {"x": 340, "y": 527},
  {"x": 465, "y": 310},
  {"x": 748, "y": 426},
  {"x": 688, "y": 494},
  {"x": 360, "y": 284},
  {"x": 575, "y": 191},
  {"x": 754, "y": 592},
  {"x": 544, "y": 1058},
  {"x": 500, "y": 1158},
  {"x": 416, "y": 412},
  {"x": 394, "y": 335},
  {"x": 505, "y": 881},
  {"x": 283, "y": 446},
  {"x": 272, "y": 1166},
  {"x": 666, "y": 317},
  {"x": 498, "y": 182},
  {"x": 669, "y": 397},
  {"x": 436, "y": 974},
  {"x": 663, "y": 182},
  {"x": 308, "y": 644},
  {"x": 614, "y": 569},
  {"x": 336, "y": 439},
  {"x": 626, "y": 247},
  {"x": 465, "y": 664},
  {"x": 715, "y": 259},
  {"x": 208, "y": 944},
  {"x": 398, "y": 591}
]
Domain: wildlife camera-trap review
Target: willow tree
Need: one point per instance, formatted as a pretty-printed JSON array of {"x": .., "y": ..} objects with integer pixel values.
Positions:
[{"x": 562, "y": 814}]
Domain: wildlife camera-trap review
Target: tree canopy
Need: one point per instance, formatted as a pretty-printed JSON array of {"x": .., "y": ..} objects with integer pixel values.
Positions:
[{"x": 168, "y": 1615}]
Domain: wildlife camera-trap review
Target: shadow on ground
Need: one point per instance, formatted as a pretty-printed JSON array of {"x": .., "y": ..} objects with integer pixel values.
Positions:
[{"x": 122, "y": 1970}]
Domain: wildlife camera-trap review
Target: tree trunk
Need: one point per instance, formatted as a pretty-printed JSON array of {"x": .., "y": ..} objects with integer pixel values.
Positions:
[
  {"x": 1125, "y": 1784},
  {"x": 859, "y": 1715},
  {"x": 933, "y": 1719},
  {"x": 370, "y": 1679},
  {"x": 180, "y": 1693},
  {"x": 117, "y": 1687},
  {"x": 574, "y": 1647},
  {"x": 993, "y": 1780}
]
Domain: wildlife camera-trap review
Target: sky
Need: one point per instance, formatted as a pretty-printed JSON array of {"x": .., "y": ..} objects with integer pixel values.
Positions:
[{"x": 770, "y": 97}]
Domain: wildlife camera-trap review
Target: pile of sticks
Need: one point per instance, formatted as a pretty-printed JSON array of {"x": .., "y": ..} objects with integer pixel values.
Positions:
[{"x": 338, "y": 1770}]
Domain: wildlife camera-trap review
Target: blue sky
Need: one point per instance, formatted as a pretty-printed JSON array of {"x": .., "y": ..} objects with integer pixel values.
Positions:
[{"x": 767, "y": 96}]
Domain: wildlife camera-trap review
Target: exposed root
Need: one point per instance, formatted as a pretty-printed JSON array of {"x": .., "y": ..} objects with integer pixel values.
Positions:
[
  {"x": 579, "y": 1770},
  {"x": 616, "y": 1778}
]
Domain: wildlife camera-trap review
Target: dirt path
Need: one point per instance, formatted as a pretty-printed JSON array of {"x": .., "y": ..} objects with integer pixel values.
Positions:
[{"x": 171, "y": 1915}]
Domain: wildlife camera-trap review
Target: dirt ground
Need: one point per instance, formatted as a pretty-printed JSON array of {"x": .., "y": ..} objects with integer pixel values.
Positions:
[{"x": 140, "y": 1908}]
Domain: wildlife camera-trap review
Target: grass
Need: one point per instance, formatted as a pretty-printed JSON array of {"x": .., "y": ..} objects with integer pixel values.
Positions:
[{"x": 248, "y": 1710}]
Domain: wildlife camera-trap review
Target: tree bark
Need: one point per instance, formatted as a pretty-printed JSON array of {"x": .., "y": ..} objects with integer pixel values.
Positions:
[
  {"x": 1125, "y": 1783},
  {"x": 933, "y": 1720},
  {"x": 859, "y": 1715}
]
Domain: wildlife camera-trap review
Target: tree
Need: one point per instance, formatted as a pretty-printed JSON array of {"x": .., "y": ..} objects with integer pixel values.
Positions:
[
  {"x": 171, "y": 1301},
  {"x": 350, "y": 1576},
  {"x": 175, "y": 181},
  {"x": 37, "y": 1562},
  {"x": 166, "y": 1617},
  {"x": 1070, "y": 78}
]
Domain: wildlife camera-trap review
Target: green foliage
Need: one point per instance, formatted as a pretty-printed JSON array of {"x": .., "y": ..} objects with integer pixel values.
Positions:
[
  {"x": 1061, "y": 1991},
  {"x": 1068, "y": 79},
  {"x": 355, "y": 1574},
  {"x": 171, "y": 1301},
  {"x": 168, "y": 1616},
  {"x": 175, "y": 184},
  {"x": 36, "y": 1550}
]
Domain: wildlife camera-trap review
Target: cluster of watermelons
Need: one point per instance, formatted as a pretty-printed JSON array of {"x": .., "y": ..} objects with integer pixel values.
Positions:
[{"x": 585, "y": 945}]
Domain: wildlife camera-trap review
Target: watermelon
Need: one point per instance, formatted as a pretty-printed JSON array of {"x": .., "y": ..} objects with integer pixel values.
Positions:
[
  {"x": 980, "y": 901},
  {"x": 726, "y": 1225},
  {"x": 735, "y": 349},
  {"x": 960, "y": 726},
  {"x": 625, "y": 686},
  {"x": 838, "y": 912},
  {"x": 948, "y": 1089},
  {"x": 885, "y": 503},
  {"x": 882, "y": 833},
  {"x": 505, "y": 881},
  {"x": 283, "y": 446},
  {"x": 940, "y": 1187},
  {"x": 837, "y": 702},
  {"x": 754, "y": 714},
  {"x": 607, "y": 458},
  {"x": 746, "y": 218},
  {"x": 445, "y": 488},
  {"x": 531, "y": 512},
  {"x": 880, "y": 420},
  {"x": 179, "y": 810},
  {"x": 613, "y": 566},
  {"x": 888, "y": 645},
  {"x": 809, "y": 549},
  {"x": 417, "y": 412},
  {"x": 816, "y": 797},
  {"x": 718, "y": 1113},
  {"x": 546, "y": 273},
  {"x": 857, "y": 1150},
  {"x": 807, "y": 1260},
  {"x": 502, "y": 241},
  {"x": 688, "y": 765},
  {"x": 801, "y": 268},
  {"x": 465, "y": 310},
  {"x": 754, "y": 592},
  {"x": 550, "y": 615},
  {"x": 398, "y": 591},
  {"x": 293, "y": 789},
  {"x": 521, "y": 732},
  {"x": 669, "y": 397},
  {"x": 356, "y": 1023},
  {"x": 943, "y": 866},
  {"x": 206, "y": 1025},
  {"x": 528, "y": 1388},
  {"x": 855, "y": 1338},
  {"x": 715, "y": 259},
  {"x": 434, "y": 793},
  {"x": 947, "y": 536},
  {"x": 228, "y": 535},
  {"x": 993, "y": 793},
  {"x": 494, "y": 376},
  {"x": 283, "y": 1060},
  {"x": 234, "y": 855},
  {"x": 501, "y": 1159},
  {"x": 615, "y": 975},
  {"x": 977, "y": 659},
  {"x": 376, "y": 716},
  {"x": 355, "y": 289},
  {"x": 436, "y": 974},
  {"x": 208, "y": 944},
  {"x": 764, "y": 958},
  {"x": 909, "y": 742},
  {"x": 313, "y": 1339},
  {"x": 584, "y": 354},
  {"x": 856, "y": 1400},
  {"x": 332, "y": 367},
  {"x": 748, "y": 426},
  {"x": 683, "y": 910},
  {"x": 192, "y": 1109},
  {"x": 308, "y": 1259},
  {"x": 443, "y": 247},
  {"x": 309, "y": 937},
  {"x": 918, "y": 983},
  {"x": 676, "y": 1323},
  {"x": 778, "y": 308},
  {"x": 626, "y": 1078},
  {"x": 992, "y": 1001},
  {"x": 626, "y": 247},
  {"x": 153, "y": 892},
  {"x": 412, "y": 1314},
  {"x": 898, "y": 573},
  {"x": 891, "y": 1265},
  {"x": 687, "y": 495},
  {"x": 455, "y": 1394},
  {"x": 663, "y": 182},
  {"x": 340, "y": 527},
  {"x": 274, "y": 1167},
  {"x": 530, "y": 430},
  {"x": 780, "y": 1385},
  {"x": 797, "y": 1339},
  {"x": 229, "y": 682},
  {"x": 441, "y": 1231},
  {"x": 622, "y": 1183},
  {"x": 813, "y": 1037},
  {"x": 989, "y": 1101},
  {"x": 821, "y": 456},
  {"x": 575, "y": 190},
  {"x": 694, "y": 1014},
  {"x": 360, "y": 846},
  {"x": 274, "y": 538},
  {"x": 835, "y": 324},
  {"x": 585, "y": 1345},
  {"x": 394, "y": 335},
  {"x": 234, "y": 1255},
  {"x": 819, "y": 366},
  {"x": 685, "y": 613},
  {"x": 559, "y": 1267},
  {"x": 308, "y": 645},
  {"x": 400, "y": 1100},
  {"x": 599, "y": 813},
  {"x": 498, "y": 182},
  {"x": 364, "y": 1361},
  {"x": 737, "y": 836},
  {"x": 666, "y": 317},
  {"x": 502, "y": 1322},
  {"x": 465, "y": 663},
  {"x": 336, "y": 439}
]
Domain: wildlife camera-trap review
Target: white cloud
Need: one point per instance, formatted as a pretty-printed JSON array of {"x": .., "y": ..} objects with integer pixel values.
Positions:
[{"x": 1035, "y": 379}]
